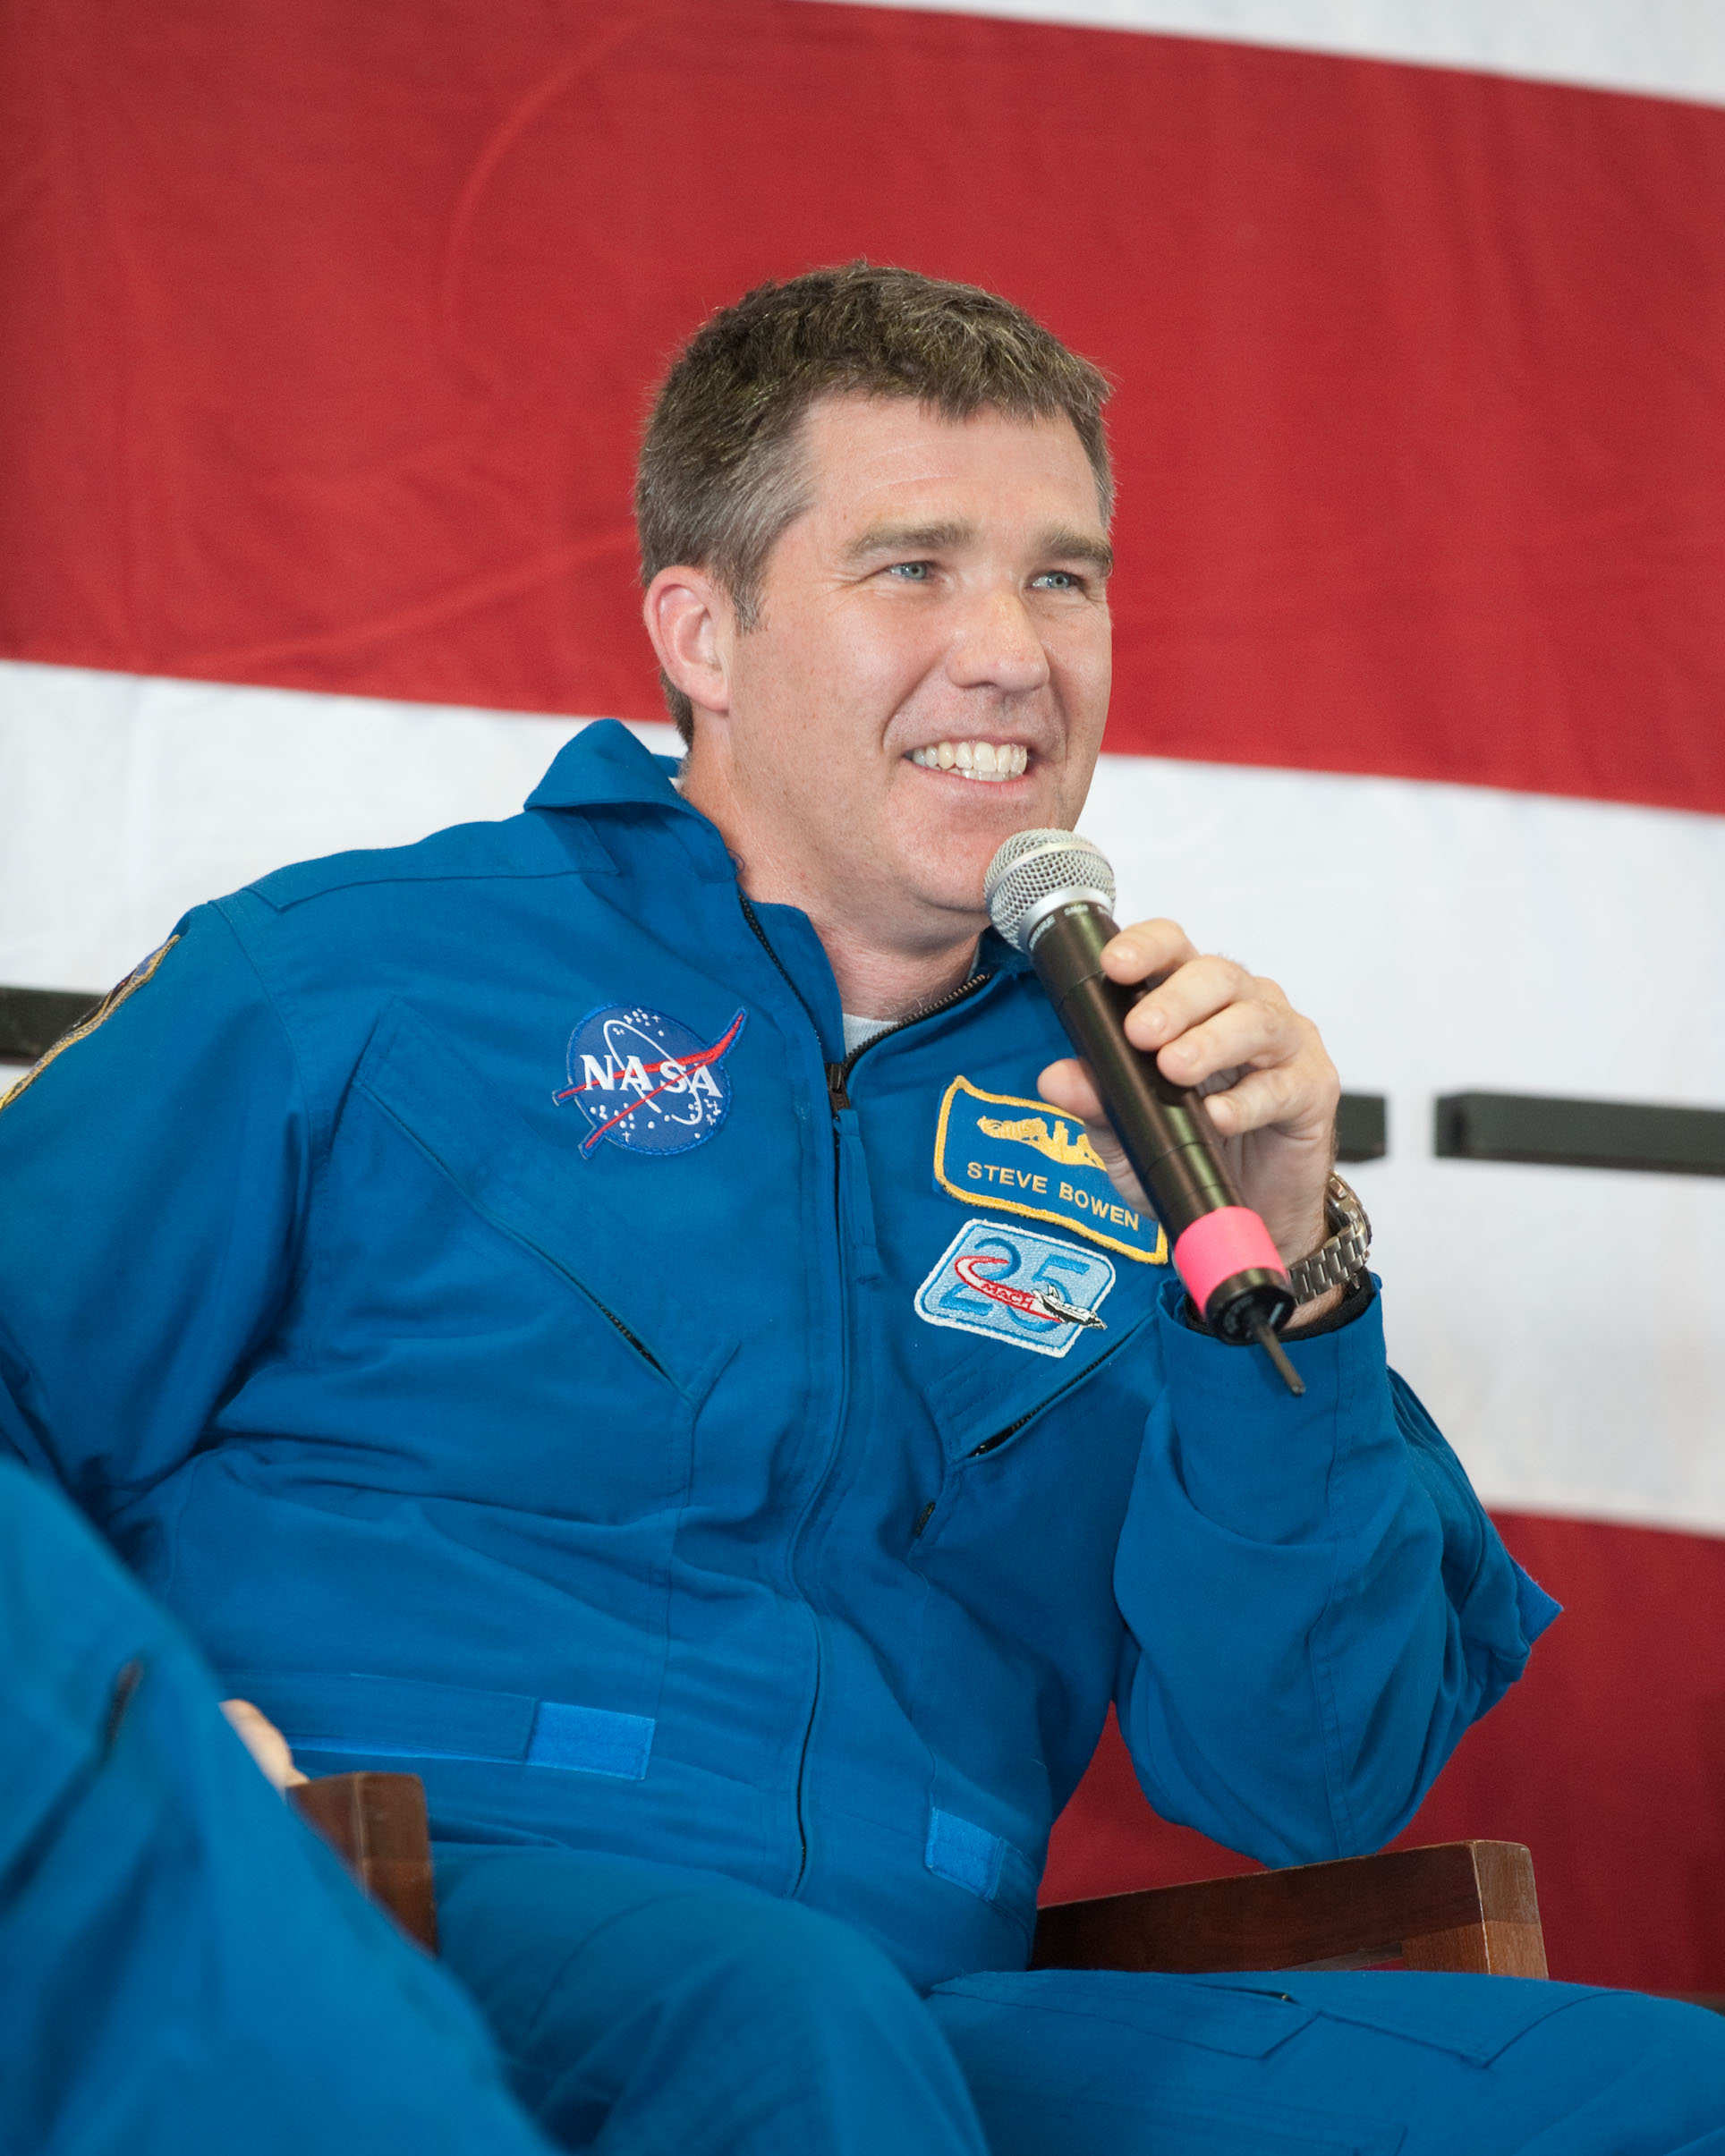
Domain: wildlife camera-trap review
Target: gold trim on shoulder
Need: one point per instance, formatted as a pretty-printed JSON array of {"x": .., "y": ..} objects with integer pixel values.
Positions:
[{"x": 88, "y": 1024}]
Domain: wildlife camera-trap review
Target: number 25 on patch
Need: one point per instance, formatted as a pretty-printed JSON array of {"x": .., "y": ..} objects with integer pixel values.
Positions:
[{"x": 1013, "y": 1285}]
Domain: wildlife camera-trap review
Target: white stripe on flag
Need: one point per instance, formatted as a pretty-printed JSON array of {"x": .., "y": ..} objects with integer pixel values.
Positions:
[
  {"x": 1672, "y": 48},
  {"x": 1562, "y": 1325}
]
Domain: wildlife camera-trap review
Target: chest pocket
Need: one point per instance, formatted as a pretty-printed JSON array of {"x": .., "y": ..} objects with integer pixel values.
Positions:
[
  {"x": 552, "y": 1205},
  {"x": 999, "y": 1361},
  {"x": 502, "y": 1289}
]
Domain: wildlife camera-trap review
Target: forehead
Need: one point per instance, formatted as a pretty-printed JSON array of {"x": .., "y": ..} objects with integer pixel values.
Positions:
[{"x": 871, "y": 460}]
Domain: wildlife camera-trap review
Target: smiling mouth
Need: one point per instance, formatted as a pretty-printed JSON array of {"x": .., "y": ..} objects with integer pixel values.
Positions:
[{"x": 985, "y": 759}]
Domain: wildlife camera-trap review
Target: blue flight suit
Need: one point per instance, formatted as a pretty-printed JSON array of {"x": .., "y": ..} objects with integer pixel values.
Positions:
[
  {"x": 183, "y": 1968},
  {"x": 487, "y": 1306}
]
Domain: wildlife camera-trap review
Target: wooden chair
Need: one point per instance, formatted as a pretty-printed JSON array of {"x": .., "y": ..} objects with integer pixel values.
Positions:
[
  {"x": 377, "y": 1824},
  {"x": 1463, "y": 1905}
]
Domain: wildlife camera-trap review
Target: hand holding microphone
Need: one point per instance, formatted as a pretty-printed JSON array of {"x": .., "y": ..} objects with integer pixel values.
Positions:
[{"x": 1051, "y": 894}]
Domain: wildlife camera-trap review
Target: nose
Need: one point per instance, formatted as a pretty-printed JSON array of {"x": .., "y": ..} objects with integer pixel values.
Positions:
[{"x": 997, "y": 646}]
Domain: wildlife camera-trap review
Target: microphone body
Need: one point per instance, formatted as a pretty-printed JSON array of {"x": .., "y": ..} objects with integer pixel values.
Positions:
[{"x": 1050, "y": 894}]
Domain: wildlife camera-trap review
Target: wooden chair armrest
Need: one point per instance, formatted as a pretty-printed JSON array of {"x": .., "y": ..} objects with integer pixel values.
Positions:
[
  {"x": 1466, "y": 1905},
  {"x": 377, "y": 1824}
]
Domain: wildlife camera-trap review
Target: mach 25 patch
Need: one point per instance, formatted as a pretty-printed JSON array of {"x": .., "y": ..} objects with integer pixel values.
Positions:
[
  {"x": 1011, "y": 1284},
  {"x": 1014, "y": 1156}
]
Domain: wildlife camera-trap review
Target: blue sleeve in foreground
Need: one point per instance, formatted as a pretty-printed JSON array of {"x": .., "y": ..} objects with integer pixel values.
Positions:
[{"x": 182, "y": 1966}]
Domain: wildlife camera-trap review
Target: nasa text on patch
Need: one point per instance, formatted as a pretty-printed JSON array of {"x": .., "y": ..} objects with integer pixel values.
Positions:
[
  {"x": 1010, "y": 1284},
  {"x": 1017, "y": 1156},
  {"x": 646, "y": 1082}
]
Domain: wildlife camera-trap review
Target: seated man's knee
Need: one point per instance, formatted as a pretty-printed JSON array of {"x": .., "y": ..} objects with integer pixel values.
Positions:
[
  {"x": 765, "y": 1963},
  {"x": 618, "y": 1987},
  {"x": 566, "y": 1951}
]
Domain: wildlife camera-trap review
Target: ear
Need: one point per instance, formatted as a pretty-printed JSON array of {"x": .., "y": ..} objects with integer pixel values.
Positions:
[{"x": 689, "y": 618}]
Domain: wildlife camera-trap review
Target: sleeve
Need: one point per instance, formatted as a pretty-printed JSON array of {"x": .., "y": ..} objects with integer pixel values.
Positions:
[
  {"x": 152, "y": 1175},
  {"x": 1316, "y": 1605},
  {"x": 182, "y": 1966}
]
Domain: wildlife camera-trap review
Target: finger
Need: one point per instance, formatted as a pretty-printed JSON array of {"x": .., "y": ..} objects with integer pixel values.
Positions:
[
  {"x": 1250, "y": 1033},
  {"x": 1191, "y": 993},
  {"x": 264, "y": 1741},
  {"x": 1068, "y": 1086},
  {"x": 1146, "y": 949},
  {"x": 1287, "y": 1098}
]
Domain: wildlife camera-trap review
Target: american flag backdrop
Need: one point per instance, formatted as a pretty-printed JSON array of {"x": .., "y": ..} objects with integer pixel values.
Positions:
[{"x": 326, "y": 336}]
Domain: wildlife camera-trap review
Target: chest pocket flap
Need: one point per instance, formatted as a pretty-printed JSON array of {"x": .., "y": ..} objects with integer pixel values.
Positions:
[{"x": 542, "y": 1200}]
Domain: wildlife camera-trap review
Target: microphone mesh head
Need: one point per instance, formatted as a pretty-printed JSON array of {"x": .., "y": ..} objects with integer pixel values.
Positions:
[{"x": 1032, "y": 866}]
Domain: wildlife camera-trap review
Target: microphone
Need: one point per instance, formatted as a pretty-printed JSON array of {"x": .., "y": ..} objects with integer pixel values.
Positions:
[{"x": 1050, "y": 894}]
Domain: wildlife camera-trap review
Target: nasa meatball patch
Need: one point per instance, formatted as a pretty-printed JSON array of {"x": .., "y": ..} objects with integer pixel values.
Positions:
[{"x": 646, "y": 1082}]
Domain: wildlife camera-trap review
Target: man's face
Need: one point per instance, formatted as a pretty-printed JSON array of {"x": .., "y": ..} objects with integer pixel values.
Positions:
[{"x": 928, "y": 672}]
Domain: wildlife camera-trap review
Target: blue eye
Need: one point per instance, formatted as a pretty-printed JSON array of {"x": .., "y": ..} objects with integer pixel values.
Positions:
[
  {"x": 916, "y": 573},
  {"x": 1058, "y": 580}
]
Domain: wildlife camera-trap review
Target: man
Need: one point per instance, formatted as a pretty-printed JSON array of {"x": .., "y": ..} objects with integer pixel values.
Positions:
[{"x": 523, "y": 1299}]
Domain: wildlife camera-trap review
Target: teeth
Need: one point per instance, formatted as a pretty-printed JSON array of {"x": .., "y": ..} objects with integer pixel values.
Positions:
[{"x": 985, "y": 759}]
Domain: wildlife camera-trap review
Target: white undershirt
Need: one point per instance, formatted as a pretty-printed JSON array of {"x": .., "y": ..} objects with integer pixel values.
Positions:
[{"x": 857, "y": 1031}]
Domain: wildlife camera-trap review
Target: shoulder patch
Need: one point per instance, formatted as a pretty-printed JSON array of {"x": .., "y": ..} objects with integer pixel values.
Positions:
[
  {"x": 1017, "y": 1156},
  {"x": 88, "y": 1024}
]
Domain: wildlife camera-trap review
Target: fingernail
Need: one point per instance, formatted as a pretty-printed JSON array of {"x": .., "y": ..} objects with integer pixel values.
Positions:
[
  {"x": 1128, "y": 950},
  {"x": 1152, "y": 1022}
]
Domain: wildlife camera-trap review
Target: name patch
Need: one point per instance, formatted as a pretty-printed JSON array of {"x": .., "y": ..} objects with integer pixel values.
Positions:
[
  {"x": 645, "y": 1081},
  {"x": 1020, "y": 1156},
  {"x": 1011, "y": 1284}
]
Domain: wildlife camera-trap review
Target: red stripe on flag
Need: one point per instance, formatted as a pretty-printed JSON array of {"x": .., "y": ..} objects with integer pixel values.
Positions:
[{"x": 329, "y": 331}]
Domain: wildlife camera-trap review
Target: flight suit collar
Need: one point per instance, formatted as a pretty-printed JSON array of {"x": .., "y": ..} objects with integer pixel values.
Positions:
[{"x": 605, "y": 765}]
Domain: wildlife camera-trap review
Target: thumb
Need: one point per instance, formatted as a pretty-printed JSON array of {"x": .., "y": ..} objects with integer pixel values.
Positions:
[{"x": 1067, "y": 1085}]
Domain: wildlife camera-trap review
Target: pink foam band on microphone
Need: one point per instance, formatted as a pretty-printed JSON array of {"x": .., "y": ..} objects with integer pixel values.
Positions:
[{"x": 1231, "y": 1240}]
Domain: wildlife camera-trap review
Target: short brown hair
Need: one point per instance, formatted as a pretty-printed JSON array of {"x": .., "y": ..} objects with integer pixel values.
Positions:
[{"x": 720, "y": 477}]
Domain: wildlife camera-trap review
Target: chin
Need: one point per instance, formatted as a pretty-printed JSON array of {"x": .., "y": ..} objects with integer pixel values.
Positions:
[{"x": 945, "y": 870}]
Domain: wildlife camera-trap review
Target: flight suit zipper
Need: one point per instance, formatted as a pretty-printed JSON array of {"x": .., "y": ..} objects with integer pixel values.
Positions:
[
  {"x": 839, "y": 1100},
  {"x": 761, "y": 938},
  {"x": 838, "y": 1074}
]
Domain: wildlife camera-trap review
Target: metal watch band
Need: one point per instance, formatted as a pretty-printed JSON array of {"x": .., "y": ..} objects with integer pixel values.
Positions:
[{"x": 1341, "y": 1260}]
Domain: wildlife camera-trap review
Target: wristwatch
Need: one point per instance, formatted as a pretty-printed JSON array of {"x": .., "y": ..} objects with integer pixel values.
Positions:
[{"x": 1340, "y": 1261}]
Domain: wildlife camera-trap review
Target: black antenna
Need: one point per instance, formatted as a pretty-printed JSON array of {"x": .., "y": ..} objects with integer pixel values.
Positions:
[{"x": 1278, "y": 1354}]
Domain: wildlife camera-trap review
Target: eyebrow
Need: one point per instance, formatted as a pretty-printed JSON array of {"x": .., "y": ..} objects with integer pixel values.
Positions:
[
  {"x": 1061, "y": 542},
  {"x": 910, "y": 539},
  {"x": 1066, "y": 543}
]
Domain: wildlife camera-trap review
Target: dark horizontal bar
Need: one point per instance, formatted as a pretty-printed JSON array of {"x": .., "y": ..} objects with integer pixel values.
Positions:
[
  {"x": 1581, "y": 1133},
  {"x": 1362, "y": 1127},
  {"x": 31, "y": 1020},
  {"x": 1470, "y": 1126}
]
